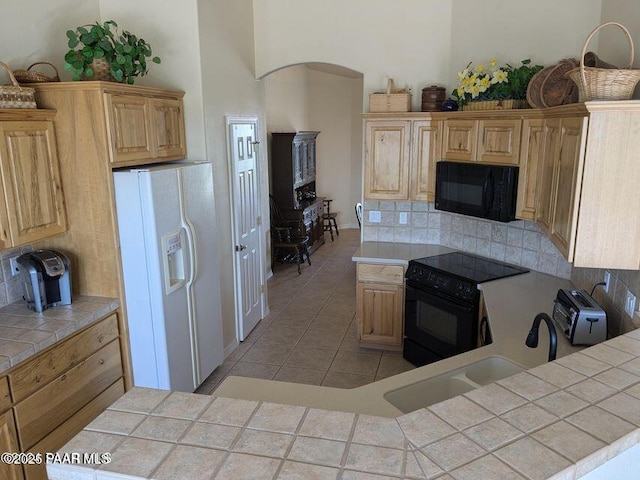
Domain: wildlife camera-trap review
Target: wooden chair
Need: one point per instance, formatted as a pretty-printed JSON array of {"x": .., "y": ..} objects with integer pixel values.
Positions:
[
  {"x": 329, "y": 219},
  {"x": 288, "y": 242}
]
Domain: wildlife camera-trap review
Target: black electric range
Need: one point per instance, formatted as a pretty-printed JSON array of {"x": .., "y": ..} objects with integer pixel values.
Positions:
[{"x": 442, "y": 304}]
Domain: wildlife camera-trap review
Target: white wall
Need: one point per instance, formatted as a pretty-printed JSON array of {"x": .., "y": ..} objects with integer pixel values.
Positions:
[
  {"x": 331, "y": 112},
  {"x": 300, "y": 98},
  {"x": 229, "y": 88},
  {"x": 173, "y": 35},
  {"x": 614, "y": 46},
  {"x": 286, "y": 99},
  {"x": 545, "y": 31},
  {"x": 34, "y": 31},
  {"x": 408, "y": 41}
]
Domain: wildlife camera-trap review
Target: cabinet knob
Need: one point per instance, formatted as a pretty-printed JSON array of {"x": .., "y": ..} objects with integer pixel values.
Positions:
[{"x": 101, "y": 362}]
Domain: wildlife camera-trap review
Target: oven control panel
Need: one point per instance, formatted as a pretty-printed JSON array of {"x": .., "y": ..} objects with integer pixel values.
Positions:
[{"x": 440, "y": 282}]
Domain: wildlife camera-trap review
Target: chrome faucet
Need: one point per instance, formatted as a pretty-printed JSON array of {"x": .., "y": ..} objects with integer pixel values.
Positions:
[{"x": 532, "y": 338}]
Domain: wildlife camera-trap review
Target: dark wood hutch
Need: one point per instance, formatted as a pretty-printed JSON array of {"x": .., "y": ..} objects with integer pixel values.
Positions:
[{"x": 293, "y": 181}]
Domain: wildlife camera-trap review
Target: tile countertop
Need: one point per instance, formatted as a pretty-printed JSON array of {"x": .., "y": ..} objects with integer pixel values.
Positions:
[
  {"x": 557, "y": 420},
  {"x": 23, "y": 333}
]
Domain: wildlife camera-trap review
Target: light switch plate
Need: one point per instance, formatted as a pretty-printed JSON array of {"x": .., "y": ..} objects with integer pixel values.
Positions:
[
  {"x": 13, "y": 263},
  {"x": 403, "y": 218},
  {"x": 607, "y": 279},
  {"x": 375, "y": 216}
]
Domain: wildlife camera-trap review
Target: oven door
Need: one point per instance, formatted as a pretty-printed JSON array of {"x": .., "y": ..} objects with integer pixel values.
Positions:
[{"x": 441, "y": 325}]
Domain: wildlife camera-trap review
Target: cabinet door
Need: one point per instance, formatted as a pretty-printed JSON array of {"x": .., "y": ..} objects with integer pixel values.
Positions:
[
  {"x": 31, "y": 179},
  {"x": 379, "y": 310},
  {"x": 547, "y": 181},
  {"x": 569, "y": 164},
  {"x": 387, "y": 157},
  {"x": 425, "y": 152},
  {"x": 167, "y": 128},
  {"x": 9, "y": 443},
  {"x": 459, "y": 140},
  {"x": 128, "y": 120},
  {"x": 530, "y": 161},
  {"x": 499, "y": 141}
]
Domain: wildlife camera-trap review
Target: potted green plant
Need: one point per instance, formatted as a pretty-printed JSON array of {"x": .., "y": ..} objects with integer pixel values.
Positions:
[
  {"x": 125, "y": 54},
  {"x": 496, "y": 85}
]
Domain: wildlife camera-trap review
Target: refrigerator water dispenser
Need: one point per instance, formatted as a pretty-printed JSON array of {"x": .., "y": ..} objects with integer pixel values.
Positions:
[{"x": 173, "y": 261}]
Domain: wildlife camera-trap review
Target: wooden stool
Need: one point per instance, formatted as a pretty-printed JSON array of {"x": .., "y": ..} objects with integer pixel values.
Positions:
[{"x": 329, "y": 219}]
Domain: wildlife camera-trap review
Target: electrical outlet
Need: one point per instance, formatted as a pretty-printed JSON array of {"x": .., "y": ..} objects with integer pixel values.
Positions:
[
  {"x": 607, "y": 279},
  {"x": 375, "y": 216},
  {"x": 15, "y": 267},
  {"x": 403, "y": 218},
  {"x": 630, "y": 304}
]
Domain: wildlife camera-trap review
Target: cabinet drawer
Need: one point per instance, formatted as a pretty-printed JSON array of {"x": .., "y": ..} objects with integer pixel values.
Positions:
[
  {"x": 50, "y": 406},
  {"x": 44, "y": 368},
  {"x": 379, "y": 273},
  {"x": 5, "y": 399}
]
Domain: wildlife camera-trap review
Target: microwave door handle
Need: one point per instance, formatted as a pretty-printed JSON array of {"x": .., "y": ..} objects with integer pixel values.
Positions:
[{"x": 488, "y": 192}]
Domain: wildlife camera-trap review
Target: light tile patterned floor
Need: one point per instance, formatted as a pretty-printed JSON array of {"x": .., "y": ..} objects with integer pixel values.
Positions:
[{"x": 310, "y": 335}]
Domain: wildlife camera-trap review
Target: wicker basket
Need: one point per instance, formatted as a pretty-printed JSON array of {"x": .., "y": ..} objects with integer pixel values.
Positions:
[
  {"x": 15, "y": 96},
  {"x": 508, "y": 104},
  {"x": 605, "y": 83},
  {"x": 389, "y": 102},
  {"x": 31, "y": 76}
]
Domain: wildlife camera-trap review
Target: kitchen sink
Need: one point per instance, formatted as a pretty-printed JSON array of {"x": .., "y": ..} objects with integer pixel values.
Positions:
[{"x": 450, "y": 384}]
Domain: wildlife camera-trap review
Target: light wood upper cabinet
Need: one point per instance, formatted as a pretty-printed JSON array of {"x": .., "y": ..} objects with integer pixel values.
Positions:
[
  {"x": 499, "y": 141},
  {"x": 144, "y": 128},
  {"x": 559, "y": 184},
  {"x": 387, "y": 157},
  {"x": 459, "y": 140},
  {"x": 425, "y": 152},
  {"x": 400, "y": 156},
  {"x": 380, "y": 305},
  {"x": 167, "y": 120},
  {"x": 530, "y": 162},
  {"x": 31, "y": 188},
  {"x": 482, "y": 140}
]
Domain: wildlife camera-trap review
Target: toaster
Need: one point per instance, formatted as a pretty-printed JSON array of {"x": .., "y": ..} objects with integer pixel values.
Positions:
[
  {"x": 579, "y": 317},
  {"x": 46, "y": 278}
]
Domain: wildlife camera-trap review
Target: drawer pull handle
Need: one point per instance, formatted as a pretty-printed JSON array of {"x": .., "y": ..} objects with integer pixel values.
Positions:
[
  {"x": 39, "y": 378},
  {"x": 100, "y": 338}
]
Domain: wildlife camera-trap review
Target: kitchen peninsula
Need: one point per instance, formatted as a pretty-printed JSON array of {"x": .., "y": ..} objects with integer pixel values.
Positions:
[{"x": 265, "y": 429}]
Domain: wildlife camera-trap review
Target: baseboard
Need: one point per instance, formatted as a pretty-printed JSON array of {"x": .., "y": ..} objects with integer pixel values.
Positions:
[{"x": 228, "y": 350}]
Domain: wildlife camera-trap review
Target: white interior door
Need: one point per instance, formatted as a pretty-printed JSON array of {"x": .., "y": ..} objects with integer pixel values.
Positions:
[{"x": 245, "y": 203}]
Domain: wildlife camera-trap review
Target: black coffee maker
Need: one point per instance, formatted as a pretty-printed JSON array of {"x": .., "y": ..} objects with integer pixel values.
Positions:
[{"x": 46, "y": 278}]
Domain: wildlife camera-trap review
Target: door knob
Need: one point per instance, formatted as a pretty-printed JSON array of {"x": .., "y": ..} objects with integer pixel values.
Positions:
[{"x": 240, "y": 247}]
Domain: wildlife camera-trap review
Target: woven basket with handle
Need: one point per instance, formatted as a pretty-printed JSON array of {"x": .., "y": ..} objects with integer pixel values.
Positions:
[
  {"x": 605, "y": 83},
  {"x": 33, "y": 76},
  {"x": 15, "y": 96}
]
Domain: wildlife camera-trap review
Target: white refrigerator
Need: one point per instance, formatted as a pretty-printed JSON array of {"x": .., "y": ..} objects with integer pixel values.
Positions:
[{"x": 166, "y": 222}]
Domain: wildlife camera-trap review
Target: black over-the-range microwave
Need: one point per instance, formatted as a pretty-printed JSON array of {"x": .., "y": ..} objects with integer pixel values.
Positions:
[{"x": 485, "y": 191}]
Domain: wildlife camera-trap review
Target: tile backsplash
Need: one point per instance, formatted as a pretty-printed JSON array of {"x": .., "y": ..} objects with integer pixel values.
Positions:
[
  {"x": 520, "y": 242},
  {"x": 10, "y": 287},
  {"x": 613, "y": 301}
]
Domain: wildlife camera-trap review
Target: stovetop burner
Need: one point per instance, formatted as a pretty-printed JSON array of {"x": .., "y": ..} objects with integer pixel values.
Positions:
[{"x": 470, "y": 267}]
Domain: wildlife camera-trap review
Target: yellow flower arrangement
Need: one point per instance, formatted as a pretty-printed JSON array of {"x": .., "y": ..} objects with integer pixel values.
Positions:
[{"x": 494, "y": 82}]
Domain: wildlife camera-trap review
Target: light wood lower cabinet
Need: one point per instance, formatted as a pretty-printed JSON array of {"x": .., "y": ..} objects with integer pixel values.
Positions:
[
  {"x": 8, "y": 434},
  {"x": 380, "y": 305},
  {"x": 58, "y": 392}
]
